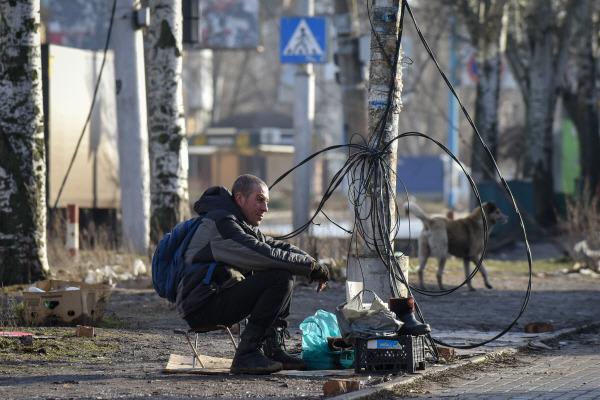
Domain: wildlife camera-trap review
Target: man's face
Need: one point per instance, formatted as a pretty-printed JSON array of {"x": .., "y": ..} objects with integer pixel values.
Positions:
[{"x": 254, "y": 206}]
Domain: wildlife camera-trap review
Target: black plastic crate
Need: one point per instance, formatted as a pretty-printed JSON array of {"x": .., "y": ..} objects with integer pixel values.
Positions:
[{"x": 392, "y": 354}]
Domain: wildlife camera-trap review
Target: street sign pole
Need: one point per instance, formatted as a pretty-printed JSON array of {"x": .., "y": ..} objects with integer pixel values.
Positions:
[
  {"x": 304, "y": 115},
  {"x": 303, "y": 42}
]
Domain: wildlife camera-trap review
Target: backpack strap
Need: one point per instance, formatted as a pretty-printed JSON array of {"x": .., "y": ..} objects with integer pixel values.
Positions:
[{"x": 209, "y": 273}]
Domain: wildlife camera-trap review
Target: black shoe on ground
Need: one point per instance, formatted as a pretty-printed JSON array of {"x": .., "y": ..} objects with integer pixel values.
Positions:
[
  {"x": 254, "y": 363},
  {"x": 274, "y": 348}
]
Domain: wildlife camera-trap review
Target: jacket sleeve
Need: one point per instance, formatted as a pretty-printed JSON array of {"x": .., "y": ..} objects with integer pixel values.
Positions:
[
  {"x": 234, "y": 246},
  {"x": 280, "y": 244}
]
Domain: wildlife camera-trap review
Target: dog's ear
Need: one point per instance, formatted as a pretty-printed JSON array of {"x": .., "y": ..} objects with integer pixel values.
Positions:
[{"x": 490, "y": 206}]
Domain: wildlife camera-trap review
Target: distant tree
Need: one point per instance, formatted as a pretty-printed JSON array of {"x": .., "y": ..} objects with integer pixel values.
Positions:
[
  {"x": 22, "y": 151},
  {"x": 166, "y": 123},
  {"x": 483, "y": 19},
  {"x": 581, "y": 97},
  {"x": 538, "y": 51}
]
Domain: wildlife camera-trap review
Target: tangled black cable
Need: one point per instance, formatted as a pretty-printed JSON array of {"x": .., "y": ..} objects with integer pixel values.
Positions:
[{"x": 373, "y": 196}]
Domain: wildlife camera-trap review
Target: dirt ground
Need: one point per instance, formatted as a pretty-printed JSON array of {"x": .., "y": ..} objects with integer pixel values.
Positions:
[{"x": 127, "y": 360}]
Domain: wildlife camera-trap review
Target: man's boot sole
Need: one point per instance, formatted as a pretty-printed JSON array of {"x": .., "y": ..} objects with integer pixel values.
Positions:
[
  {"x": 256, "y": 371},
  {"x": 415, "y": 331},
  {"x": 294, "y": 367}
]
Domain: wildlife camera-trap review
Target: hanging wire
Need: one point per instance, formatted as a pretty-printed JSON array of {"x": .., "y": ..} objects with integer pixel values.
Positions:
[{"x": 368, "y": 174}]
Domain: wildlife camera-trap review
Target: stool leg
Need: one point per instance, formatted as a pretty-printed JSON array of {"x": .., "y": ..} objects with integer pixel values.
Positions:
[
  {"x": 230, "y": 335},
  {"x": 193, "y": 346}
]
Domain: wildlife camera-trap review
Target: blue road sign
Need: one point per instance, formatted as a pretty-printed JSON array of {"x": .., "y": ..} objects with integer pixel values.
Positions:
[{"x": 303, "y": 40}]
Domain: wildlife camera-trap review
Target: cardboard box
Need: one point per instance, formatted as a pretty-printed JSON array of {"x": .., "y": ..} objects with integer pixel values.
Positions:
[{"x": 61, "y": 304}]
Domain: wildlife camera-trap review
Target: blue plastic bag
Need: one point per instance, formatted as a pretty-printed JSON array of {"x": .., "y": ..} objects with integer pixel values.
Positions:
[{"x": 315, "y": 331}]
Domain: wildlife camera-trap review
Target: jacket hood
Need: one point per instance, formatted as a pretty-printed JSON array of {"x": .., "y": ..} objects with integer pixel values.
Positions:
[{"x": 217, "y": 198}]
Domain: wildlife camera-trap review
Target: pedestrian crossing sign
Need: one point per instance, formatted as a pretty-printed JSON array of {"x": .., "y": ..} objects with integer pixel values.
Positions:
[{"x": 303, "y": 40}]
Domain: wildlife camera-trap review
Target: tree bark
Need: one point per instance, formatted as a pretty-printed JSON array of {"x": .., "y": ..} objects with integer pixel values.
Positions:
[
  {"x": 167, "y": 133},
  {"x": 539, "y": 62},
  {"x": 23, "y": 256},
  {"x": 484, "y": 21}
]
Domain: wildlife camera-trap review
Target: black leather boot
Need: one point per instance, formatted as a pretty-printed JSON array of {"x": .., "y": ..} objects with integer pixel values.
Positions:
[
  {"x": 249, "y": 358},
  {"x": 274, "y": 349},
  {"x": 404, "y": 308}
]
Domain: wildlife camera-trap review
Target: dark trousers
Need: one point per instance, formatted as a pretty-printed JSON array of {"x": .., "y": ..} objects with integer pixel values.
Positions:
[{"x": 263, "y": 298}]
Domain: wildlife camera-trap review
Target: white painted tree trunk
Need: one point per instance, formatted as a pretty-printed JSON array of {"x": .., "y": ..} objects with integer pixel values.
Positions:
[
  {"x": 22, "y": 151},
  {"x": 166, "y": 123},
  {"x": 133, "y": 129},
  {"x": 383, "y": 128},
  {"x": 378, "y": 216}
]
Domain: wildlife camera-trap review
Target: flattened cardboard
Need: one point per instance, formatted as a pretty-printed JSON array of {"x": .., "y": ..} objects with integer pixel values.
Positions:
[
  {"x": 213, "y": 365},
  {"x": 179, "y": 364},
  {"x": 57, "y": 306}
]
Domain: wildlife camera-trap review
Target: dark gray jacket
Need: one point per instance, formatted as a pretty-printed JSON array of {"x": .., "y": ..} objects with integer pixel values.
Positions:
[{"x": 238, "y": 248}]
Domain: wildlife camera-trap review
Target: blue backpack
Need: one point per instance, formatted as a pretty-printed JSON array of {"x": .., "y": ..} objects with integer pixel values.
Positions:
[{"x": 168, "y": 266}]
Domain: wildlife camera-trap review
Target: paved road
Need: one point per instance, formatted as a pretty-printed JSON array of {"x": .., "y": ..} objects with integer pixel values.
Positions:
[{"x": 569, "y": 371}]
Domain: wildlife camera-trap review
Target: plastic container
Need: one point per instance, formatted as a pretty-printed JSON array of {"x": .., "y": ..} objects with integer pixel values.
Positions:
[{"x": 394, "y": 354}]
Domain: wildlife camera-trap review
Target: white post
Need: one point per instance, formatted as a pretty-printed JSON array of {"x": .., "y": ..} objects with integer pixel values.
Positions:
[
  {"x": 133, "y": 129},
  {"x": 304, "y": 115},
  {"x": 73, "y": 229}
]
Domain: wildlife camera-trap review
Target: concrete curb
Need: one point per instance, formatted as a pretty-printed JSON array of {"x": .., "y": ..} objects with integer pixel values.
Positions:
[{"x": 405, "y": 380}]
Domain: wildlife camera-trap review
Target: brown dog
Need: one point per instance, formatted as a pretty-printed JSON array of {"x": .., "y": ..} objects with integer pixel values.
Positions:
[{"x": 462, "y": 238}]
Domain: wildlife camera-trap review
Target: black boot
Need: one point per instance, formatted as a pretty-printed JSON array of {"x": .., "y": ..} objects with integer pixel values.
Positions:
[
  {"x": 274, "y": 349},
  {"x": 249, "y": 358},
  {"x": 404, "y": 308}
]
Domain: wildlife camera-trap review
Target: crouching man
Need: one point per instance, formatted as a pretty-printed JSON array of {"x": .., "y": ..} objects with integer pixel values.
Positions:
[{"x": 237, "y": 272}]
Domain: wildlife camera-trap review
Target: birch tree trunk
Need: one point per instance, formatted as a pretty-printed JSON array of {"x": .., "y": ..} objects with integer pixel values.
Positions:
[
  {"x": 539, "y": 63},
  {"x": 484, "y": 21},
  {"x": 22, "y": 149},
  {"x": 489, "y": 65},
  {"x": 168, "y": 144}
]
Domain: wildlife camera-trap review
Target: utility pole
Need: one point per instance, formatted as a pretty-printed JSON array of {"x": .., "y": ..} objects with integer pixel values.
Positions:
[
  {"x": 133, "y": 129},
  {"x": 350, "y": 68},
  {"x": 304, "y": 115},
  {"x": 369, "y": 271}
]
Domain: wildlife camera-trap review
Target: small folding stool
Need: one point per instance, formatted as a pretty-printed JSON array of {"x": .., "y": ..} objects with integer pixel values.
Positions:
[{"x": 196, "y": 331}]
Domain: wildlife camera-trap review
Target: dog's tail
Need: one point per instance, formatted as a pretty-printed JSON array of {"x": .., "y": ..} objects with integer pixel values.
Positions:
[{"x": 414, "y": 209}]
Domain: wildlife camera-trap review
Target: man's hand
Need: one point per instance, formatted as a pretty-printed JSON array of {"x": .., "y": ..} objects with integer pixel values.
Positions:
[
  {"x": 321, "y": 286},
  {"x": 320, "y": 273}
]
